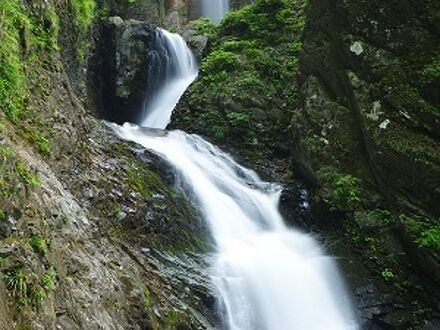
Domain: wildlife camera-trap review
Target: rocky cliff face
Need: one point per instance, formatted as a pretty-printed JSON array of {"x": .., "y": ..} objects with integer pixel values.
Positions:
[
  {"x": 364, "y": 137},
  {"x": 93, "y": 232}
]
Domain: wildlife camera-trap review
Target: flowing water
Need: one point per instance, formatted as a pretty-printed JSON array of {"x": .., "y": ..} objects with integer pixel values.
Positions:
[
  {"x": 178, "y": 70},
  {"x": 214, "y": 9},
  {"x": 269, "y": 277}
]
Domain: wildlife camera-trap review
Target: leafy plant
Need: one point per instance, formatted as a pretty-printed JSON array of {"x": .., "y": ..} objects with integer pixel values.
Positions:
[
  {"x": 345, "y": 191},
  {"x": 49, "y": 279},
  {"x": 27, "y": 177},
  {"x": 16, "y": 282},
  {"x": 387, "y": 274},
  {"x": 38, "y": 244},
  {"x": 430, "y": 238},
  {"x": 43, "y": 144}
]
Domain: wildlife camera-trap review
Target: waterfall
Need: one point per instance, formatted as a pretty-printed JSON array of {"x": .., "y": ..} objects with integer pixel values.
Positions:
[
  {"x": 214, "y": 9},
  {"x": 268, "y": 277},
  {"x": 178, "y": 68}
]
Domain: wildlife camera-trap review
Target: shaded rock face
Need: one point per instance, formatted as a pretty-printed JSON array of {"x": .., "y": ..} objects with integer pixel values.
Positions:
[
  {"x": 93, "y": 228},
  {"x": 132, "y": 53},
  {"x": 367, "y": 125}
]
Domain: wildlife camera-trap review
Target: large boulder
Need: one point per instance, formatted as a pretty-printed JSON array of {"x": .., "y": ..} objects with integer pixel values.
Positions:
[{"x": 132, "y": 68}]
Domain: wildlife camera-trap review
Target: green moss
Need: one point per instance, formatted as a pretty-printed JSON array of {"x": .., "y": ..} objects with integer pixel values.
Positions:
[
  {"x": 38, "y": 244},
  {"x": 143, "y": 180},
  {"x": 21, "y": 37},
  {"x": 26, "y": 176},
  {"x": 247, "y": 87},
  {"x": 13, "y": 89},
  {"x": 84, "y": 13},
  {"x": 220, "y": 60}
]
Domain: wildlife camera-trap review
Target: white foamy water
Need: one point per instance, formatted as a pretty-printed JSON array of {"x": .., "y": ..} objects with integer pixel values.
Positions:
[
  {"x": 214, "y": 9},
  {"x": 268, "y": 277},
  {"x": 181, "y": 69}
]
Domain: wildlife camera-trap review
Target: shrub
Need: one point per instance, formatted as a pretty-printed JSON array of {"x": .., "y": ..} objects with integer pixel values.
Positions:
[
  {"x": 38, "y": 244},
  {"x": 345, "y": 191},
  {"x": 430, "y": 238}
]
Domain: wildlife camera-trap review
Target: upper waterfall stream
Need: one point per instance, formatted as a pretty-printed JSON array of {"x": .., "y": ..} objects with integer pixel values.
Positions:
[{"x": 268, "y": 276}]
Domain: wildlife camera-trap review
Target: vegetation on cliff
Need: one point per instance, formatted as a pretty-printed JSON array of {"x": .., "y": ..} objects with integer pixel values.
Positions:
[{"x": 249, "y": 67}]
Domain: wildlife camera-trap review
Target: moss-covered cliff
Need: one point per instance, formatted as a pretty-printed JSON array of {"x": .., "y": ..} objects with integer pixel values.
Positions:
[{"x": 93, "y": 234}]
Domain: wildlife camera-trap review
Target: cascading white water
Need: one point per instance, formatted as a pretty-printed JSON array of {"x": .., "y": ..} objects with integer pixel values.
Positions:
[
  {"x": 214, "y": 9},
  {"x": 180, "y": 71},
  {"x": 268, "y": 277}
]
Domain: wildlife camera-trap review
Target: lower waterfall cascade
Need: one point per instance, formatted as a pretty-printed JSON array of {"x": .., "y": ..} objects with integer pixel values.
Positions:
[{"x": 268, "y": 276}]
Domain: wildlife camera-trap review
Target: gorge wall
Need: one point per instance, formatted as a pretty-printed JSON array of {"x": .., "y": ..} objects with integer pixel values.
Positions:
[{"x": 93, "y": 232}]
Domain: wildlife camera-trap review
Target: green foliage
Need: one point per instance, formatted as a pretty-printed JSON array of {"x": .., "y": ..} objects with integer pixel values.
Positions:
[
  {"x": 425, "y": 233},
  {"x": 387, "y": 274},
  {"x": 12, "y": 79},
  {"x": 380, "y": 216},
  {"x": 43, "y": 144},
  {"x": 430, "y": 238},
  {"x": 220, "y": 60},
  {"x": 116, "y": 210},
  {"x": 271, "y": 21},
  {"x": 204, "y": 26},
  {"x": 38, "y": 244},
  {"x": 5, "y": 152},
  {"x": 21, "y": 37},
  {"x": 28, "y": 288},
  {"x": 3, "y": 262},
  {"x": 16, "y": 282},
  {"x": 247, "y": 86},
  {"x": 49, "y": 280},
  {"x": 2, "y": 215},
  {"x": 432, "y": 70},
  {"x": 27, "y": 177},
  {"x": 84, "y": 13},
  {"x": 345, "y": 191}
]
